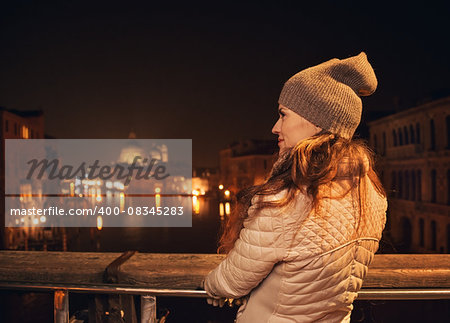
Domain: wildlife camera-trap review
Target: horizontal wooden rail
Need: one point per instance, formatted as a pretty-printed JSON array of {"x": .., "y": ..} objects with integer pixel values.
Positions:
[
  {"x": 185, "y": 271},
  {"x": 390, "y": 277}
]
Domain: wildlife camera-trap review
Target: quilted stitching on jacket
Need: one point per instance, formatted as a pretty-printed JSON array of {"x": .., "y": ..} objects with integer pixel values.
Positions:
[{"x": 317, "y": 262}]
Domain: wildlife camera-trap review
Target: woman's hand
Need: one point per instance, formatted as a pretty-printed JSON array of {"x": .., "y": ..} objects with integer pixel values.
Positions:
[
  {"x": 220, "y": 301},
  {"x": 216, "y": 301}
]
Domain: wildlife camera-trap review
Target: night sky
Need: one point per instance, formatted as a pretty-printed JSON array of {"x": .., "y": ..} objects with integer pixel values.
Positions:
[{"x": 212, "y": 71}]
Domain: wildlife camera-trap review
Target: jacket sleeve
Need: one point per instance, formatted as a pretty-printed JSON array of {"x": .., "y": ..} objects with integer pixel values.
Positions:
[{"x": 261, "y": 244}]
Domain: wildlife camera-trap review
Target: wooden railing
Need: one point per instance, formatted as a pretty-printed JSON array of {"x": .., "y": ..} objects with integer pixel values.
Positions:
[{"x": 390, "y": 277}]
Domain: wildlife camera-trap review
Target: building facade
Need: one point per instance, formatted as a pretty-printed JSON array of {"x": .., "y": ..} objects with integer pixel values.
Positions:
[
  {"x": 205, "y": 180},
  {"x": 246, "y": 163},
  {"x": 18, "y": 125},
  {"x": 414, "y": 165}
]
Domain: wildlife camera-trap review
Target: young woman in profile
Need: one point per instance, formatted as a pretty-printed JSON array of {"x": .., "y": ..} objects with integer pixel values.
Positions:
[{"x": 299, "y": 245}]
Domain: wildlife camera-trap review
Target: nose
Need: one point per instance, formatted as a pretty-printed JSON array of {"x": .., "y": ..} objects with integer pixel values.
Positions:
[{"x": 276, "y": 127}]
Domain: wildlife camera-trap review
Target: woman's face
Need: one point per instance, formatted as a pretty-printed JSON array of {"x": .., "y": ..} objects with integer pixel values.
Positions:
[{"x": 292, "y": 128}]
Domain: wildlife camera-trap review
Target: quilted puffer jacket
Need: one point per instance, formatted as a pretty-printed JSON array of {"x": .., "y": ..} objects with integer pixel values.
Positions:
[{"x": 298, "y": 266}]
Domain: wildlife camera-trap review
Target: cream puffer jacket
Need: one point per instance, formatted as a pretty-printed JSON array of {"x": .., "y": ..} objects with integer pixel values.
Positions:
[{"x": 297, "y": 266}]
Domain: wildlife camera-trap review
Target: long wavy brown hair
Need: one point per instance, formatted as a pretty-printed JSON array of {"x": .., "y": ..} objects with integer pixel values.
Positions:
[{"x": 309, "y": 167}]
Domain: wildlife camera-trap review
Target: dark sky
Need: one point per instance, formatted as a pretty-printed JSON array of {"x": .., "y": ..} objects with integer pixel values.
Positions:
[{"x": 212, "y": 71}]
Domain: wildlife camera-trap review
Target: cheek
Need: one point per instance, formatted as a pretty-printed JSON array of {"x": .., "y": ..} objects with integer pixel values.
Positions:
[
  {"x": 295, "y": 137},
  {"x": 297, "y": 132},
  {"x": 292, "y": 134}
]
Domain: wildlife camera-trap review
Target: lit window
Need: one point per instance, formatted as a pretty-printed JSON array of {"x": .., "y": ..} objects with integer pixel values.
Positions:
[{"x": 25, "y": 132}]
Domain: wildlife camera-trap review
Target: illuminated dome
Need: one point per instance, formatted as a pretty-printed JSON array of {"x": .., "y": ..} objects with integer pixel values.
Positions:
[{"x": 127, "y": 155}]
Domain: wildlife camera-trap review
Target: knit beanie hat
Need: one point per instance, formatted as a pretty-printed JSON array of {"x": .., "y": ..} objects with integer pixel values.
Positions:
[{"x": 328, "y": 94}]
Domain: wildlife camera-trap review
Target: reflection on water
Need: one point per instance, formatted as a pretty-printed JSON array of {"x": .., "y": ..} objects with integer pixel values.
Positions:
[
  {"x": 224, "y": 208},
  {"x": 195, "y": 205},
  {"x": 202, "y": 237}
]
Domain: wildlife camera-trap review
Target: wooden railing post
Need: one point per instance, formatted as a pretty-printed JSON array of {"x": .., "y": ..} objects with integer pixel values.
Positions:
[
  {"x": 148, "y": 309},
  {"x": 61, "y": 306}
]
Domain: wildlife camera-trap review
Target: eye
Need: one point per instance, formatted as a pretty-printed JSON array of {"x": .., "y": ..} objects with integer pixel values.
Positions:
[{"x": 281, "y": 113}]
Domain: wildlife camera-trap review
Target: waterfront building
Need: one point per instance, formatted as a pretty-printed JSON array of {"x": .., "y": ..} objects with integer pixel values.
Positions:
[
  {"x": 414, "y": 165},
  {"x": 16, "y": 124},
  {"x": 246, "y": 163}
]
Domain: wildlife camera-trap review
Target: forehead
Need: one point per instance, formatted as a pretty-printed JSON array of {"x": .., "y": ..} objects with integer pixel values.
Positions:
[
  {"x": 282, "y": 108},
  {"x": 296, "y": 116}
]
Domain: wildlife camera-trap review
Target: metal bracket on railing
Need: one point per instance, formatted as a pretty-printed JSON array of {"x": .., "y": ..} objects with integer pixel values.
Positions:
[
  {"x": 112, "y": 271},
  {"x": 61, "y": 306},
  {"x": 148, "y": 309},
  {"x": 115, "y": 308}
]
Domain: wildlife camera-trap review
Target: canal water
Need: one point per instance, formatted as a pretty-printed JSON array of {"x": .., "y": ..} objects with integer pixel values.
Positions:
[{"x": 202, "y": 237}]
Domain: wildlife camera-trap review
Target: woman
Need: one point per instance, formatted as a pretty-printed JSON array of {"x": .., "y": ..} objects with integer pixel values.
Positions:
[{"x": 300, "y": 244}]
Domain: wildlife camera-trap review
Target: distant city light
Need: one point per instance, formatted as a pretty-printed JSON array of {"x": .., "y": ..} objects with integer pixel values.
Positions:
[
  {"x": 227, "y": 208},
  {"x": 119, "y": 185},
  {"x": 158, "y": 200},
  {"x": 220, "y": 187},
  {"x": 195, "y": 204},
  {"x": 227, "y": 193},
  {"x": 122, "y": 201},
  {"x": 99, "y": 222}
]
